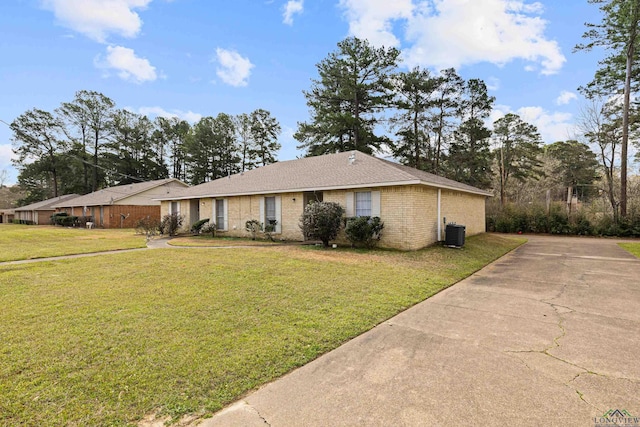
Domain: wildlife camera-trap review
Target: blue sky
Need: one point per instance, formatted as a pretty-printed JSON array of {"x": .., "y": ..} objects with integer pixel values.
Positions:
[{"x": 194, "y": 58}]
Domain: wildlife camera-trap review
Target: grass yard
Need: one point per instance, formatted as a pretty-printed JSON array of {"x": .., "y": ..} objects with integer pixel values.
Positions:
[
  {"x": 204, "y": 241},
  {"x": 186, "y": 332},
  {"x": 633, "y": 248},
  {"x": 19, "y": 242}
]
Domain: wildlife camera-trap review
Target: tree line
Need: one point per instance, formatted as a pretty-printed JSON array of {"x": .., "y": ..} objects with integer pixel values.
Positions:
[
  {"x": 433, "y": 122},
  {"x": 610, "y": 120},
  {"x": 87, "y": 144},
  {"x": 436, "y": 122}
]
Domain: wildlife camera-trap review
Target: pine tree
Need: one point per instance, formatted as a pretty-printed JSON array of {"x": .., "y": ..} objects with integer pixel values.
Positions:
[{"x": 353, "y": 87}]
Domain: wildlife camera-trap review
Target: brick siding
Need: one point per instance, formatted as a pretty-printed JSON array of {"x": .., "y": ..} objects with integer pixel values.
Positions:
[{"x": 409, "y": 213}]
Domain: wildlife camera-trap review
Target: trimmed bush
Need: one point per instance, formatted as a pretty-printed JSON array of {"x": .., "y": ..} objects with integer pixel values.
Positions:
[
  {"x": 364, "y": 230},
  {"x": 197, "y": 226},
  {"x": 57, "y": 218},
  {"x": 64, "y": 219},
  {"x": 322, "y": 221},
  {"x": 22, "y": 221}
]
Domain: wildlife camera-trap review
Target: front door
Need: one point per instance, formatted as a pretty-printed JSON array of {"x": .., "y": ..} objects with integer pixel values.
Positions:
[{"x": 194, "y": 211}]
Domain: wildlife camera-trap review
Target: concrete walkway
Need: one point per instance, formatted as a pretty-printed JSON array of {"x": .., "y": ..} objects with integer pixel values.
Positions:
[
  {"x": 547, "y": 336},
  {"x": 158, "y": 243}
]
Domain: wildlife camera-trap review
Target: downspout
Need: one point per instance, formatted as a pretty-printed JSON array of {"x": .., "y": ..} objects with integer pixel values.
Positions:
[{"x": 439, "y": 215}]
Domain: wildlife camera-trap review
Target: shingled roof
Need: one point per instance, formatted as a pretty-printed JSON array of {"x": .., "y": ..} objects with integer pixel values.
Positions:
[
  {"x": 48, "y": 204},
  {"x": 328, "y": 172},
  {"x": 110, "y": 195}
]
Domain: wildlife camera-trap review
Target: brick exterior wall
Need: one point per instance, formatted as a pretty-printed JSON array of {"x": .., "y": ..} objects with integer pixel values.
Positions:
[
  {"x": 409, "y": 213},
  {"x": 44, "y": 217},
  {"x": 133, "y": 214},
  {"x": 111, "y": 214},
  {"x": 465, "y": 209}
]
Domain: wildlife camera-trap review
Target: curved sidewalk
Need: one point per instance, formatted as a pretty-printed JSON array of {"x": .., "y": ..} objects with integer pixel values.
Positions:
[
  {"x": 547, "y": 335},
  {"x": 160, "y": 243}
]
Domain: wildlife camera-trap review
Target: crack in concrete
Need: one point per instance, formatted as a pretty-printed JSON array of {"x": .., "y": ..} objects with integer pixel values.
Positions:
[
  {"x": 264, "y": 420},
  {"x": 581, "y": 396},
  {"x": 556, "y": 340},
  {"x": 254, "y": 410},
  {"x": 490, "y": 312},
  {"x": 568, "y": 383},
  {"x": 609, "y": 377}
]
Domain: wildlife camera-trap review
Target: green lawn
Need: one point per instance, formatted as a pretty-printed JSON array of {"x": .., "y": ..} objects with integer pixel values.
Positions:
[
  {"x": 19, "y": 242},
  {"x": 204, "y": 241},
  {"x": 106, "y": 341},
  {"x": 633, "y": 248}
]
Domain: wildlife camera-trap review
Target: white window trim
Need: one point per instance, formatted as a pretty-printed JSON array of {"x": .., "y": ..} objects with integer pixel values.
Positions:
[
  {"x": 263, "y": 214},
  {"x": 225, "y": 223},
  {"x": 351, "y": 203},
  {"x": 177, "y": 202}
]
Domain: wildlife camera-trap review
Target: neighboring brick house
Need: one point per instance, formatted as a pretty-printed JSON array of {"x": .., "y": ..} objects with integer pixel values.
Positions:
[
  {"x": 6, "y": 216},
  {"x": 413, "y": 204},
  {"x": 39, "y": 213},
  {"x": 122, "y": 206}
]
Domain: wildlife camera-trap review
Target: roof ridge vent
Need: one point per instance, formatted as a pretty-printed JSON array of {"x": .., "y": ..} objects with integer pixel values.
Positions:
[{"x": 352, "y": 158}]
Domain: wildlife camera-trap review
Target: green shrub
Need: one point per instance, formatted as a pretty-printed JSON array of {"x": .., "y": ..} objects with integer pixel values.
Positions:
[
  {"x": 197, "y": 226},
  {"x": 58, "y": 218},
  {"x": 364, "y": 230},
  {"x": 534, "y": 219},
  {"x": 580, "y": 225},
  {"x": 171, "y": 223},
  {"x": 538, "y": 221},
  {"x": 22, "y": 221},
  {"x": 322, "y": 221},
  {"x": 64, "y": 220},
  {"x": 558, "y": 222}
]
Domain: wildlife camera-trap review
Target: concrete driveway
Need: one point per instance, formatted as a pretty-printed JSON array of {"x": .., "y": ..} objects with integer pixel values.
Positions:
[{"x": 548, "y": 335}]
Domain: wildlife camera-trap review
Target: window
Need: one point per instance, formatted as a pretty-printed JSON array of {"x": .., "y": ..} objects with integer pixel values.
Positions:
[
  {"x": 363, "y": 203},
  {"x": 270, "y": 210},
  {"x": 175, "y": 208},
  {"x": 220, "y": 214}
]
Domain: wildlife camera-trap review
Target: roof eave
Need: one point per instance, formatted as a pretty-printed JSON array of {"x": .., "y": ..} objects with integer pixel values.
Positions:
[
  {"x": 464, "y": 190},
  {"x": 326, "y": 188}
]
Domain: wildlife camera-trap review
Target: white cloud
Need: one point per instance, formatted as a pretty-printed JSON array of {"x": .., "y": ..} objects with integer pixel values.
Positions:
[
  {"x": 552, "y": 125},
  {"x": 453, "y": 33},
  {"x": 6, "y": 154},
  {"x": 127, "y": 64},
  {"x": 372, "y": 19},
  {"x": 233, "y": 69},
  {"x": 565, "y": 97},
  {"x": 292, "y": 7},
  {"x": 493, "y": 83},
  {"x": 97, "y": 19},
  {"x": 189, "y": 116}
]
